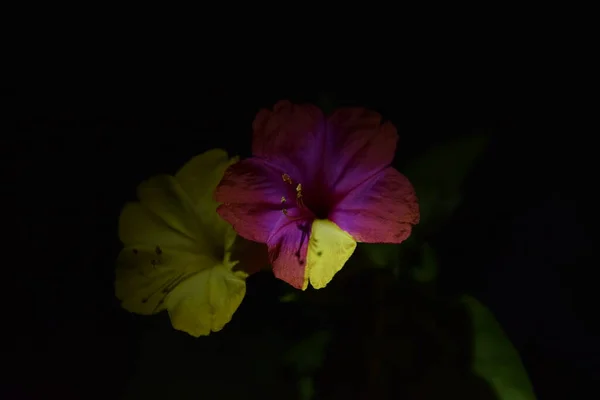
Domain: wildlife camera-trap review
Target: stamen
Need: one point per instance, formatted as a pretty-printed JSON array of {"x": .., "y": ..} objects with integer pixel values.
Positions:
[
  {"x": 299, "y": 196},
  {"x": 287, "y": 179}
]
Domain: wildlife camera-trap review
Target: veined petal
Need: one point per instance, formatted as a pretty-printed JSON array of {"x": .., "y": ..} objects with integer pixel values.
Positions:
[
  {"x": 146, "y": 274},
  {"x": 359, "y": 145},
  {"x": 206, "y": 302},
  {"x": 251, "y": 221},
  {"x": 164, "y": 197},
  {"x": 288, "y": 245},
  {"x": 292, "y": 135},
  {"x": 199, "y": 178},
  {"x": 251, "y": 194},
  {"x": 251, "y": 181},
  {"x": 328, "y": 250},
  {"x": 381, "y": 210},
  {"x": 139, "y": 226}
]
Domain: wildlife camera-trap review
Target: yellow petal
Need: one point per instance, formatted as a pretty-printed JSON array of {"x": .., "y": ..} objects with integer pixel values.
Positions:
[
  {"x": 165, "y": 199},
  {"x": 145, "y": 275},
  {"x": 138, "y": 226},
  {"x": 199, "y": 178},
  {"x": 328, "y": 250},
  {"x": 206, "y": 301}
]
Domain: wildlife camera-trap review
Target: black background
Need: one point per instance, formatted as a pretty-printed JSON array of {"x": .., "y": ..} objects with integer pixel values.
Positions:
[{"x": 519, "y": 242}]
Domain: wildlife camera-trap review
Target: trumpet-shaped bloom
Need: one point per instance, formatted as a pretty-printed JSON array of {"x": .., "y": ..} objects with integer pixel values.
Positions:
[
  {"x": 177, "y": 250},
  {"x": 315, "y": 186}
]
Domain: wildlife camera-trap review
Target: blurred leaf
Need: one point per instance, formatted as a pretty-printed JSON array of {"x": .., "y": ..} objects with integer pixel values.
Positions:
[
  {"x": 308, "y": 354},
  {"x": 438, "y": 175},
  {"x": 306, "y": 387},
  {"x": 427, "y": 270},
  {"x": 307, "y": 358},
  {"x": 380, "y": 254},
  {"x": 494, "y": 357},
  {"x": 289, "y": 297}
]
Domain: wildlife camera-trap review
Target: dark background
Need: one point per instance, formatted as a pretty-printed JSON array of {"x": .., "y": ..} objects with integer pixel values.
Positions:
[{"x": 519, "y": 242}]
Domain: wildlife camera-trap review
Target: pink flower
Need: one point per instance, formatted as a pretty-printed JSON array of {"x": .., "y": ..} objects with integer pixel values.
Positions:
[{"x": 315, "y": 186}]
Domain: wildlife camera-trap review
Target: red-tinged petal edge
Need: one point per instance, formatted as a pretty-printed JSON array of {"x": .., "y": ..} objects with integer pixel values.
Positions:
[
  {"x": 250, "y": 181},
  {"x": 381, "y": 210},
  {"x": 250, "y": 195},
  {"x": 251, "y": 221},
  {"x": 287, "y": 251}
]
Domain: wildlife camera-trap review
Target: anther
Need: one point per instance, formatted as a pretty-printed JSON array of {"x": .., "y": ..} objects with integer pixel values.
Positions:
[{"x": 299, "y": 195}]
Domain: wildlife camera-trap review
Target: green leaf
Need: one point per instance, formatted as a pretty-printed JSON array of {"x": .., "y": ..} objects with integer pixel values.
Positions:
[
  {"x": 438, "y": 175},
  {"x": 308, "y": 354},
  {"x": 494, "y": 357},
  {"x": 289, "y": 297},
  {"x": 381, "y": 255},
  {"x": 306, "y": 387}
]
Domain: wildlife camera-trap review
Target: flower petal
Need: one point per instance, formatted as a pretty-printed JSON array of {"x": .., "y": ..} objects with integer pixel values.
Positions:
[
  {"x": 146, "y": 274},
  {"x": 253, "y": 222},
  {"x": 199, "y": 178},
  {"x": 287, "y": 251},
  {"x": 165, "y": 199},
  {"x": 328, "y": 250},
  {"x": 291, "y": 136},
  {"x": 139, "y": 226},
  {"x": 381, "y": 210},
  {"x": 251, "y": 192},
  {"x": 206, "y": 301},
  {"x": 359, "y": 145},
  {"x": 251, "y": 181}
]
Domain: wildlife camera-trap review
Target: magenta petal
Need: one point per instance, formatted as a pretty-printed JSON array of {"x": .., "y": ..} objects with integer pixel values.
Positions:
[
  {"x": 251, "y": 221},
  {"x": 292, "y": 137},
  {"x": 381, "y": 210},
  {"x": 251, "y": 181},
  {"x": 250, "y": 193},
  {"x": 287, "y": 251},
  {"x": 360, "y": 146}
]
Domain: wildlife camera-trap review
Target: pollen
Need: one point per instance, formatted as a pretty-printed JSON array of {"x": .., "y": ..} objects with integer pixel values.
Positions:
[
  {"x": 299, "y": 196},
  {"x": 287, "y": 179}
]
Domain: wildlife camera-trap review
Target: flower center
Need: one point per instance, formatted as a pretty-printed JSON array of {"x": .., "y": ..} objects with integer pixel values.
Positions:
[{"x": 299, "y": 198}]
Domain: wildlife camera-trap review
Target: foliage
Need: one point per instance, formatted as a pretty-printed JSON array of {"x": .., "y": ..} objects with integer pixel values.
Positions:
[{"x": 379, "y": 330}]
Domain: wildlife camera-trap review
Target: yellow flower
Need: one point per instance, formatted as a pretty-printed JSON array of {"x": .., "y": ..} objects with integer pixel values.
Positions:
[{"x": 177, "y": 250}]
